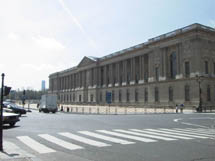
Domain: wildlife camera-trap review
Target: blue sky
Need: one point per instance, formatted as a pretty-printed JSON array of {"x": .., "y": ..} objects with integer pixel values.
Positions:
[{"x": 40, "y": 37}]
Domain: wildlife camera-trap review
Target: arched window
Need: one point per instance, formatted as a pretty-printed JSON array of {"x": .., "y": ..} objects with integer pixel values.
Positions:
[
  {"x": 173, "y": 65},
  {"x": 170, "y": 94}
]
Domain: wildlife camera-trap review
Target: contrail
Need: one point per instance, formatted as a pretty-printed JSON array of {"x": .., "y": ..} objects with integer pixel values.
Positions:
[{"x": 77, "y": 23}]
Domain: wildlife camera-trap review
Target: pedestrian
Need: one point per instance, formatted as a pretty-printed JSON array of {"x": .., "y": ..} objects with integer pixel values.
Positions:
[
  {"x": 181, "y": 107},
  {"x": 176, "y": 108}
]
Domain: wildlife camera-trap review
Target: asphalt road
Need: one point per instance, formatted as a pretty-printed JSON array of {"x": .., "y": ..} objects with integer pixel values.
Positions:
[{"x": 41, "y": 136}]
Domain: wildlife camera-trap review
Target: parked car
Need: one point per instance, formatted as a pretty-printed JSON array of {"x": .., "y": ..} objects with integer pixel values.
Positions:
[
  {"x": 15, "y": 108},
  {"x": 10, "y": 118}
]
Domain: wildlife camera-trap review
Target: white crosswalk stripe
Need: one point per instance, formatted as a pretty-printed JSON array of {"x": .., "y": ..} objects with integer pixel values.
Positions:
[
  {"x": 40, "y": 148},
  {"x": 112, "y": 136},
  {"x": 60, "y": 142},
  {"x": 84, "y": 140},
  {"x": 191, "y": 132},
  {"x": 197, "y": 131},
  {"x": 146, "y": 135},
  {"x": 184, "y": 134},
  {"x": 208, "y": 131},
  {"x": 127, "y": 136},
  {"x": 162, "y": 134},
  {"x": 107, "y": 138}
]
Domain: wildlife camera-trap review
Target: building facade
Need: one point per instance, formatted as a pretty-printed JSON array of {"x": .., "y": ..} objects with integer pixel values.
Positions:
[
  {"x": 43, "y": 85},
  {"x": 166, "y": 70}
]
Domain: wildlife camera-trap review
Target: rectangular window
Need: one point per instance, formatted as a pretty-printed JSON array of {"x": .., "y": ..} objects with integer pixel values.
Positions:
[
  {"x": 113, "y": 96},
  {"x": 101, "y": 97},
  {"x": 79, "y": 98},
  {"x": 156, "y": 73},
  {"x": 91, "y": 98},
  {"x": 120, "y": 96},
  {"x": 187, "y": 93},
  {"x": 136, "y": 95},
  {"x": 127, "y": 96},
  {"x": 214, "y": 68},
  {"x": 187, "y": 69},
  {"x": 206, "y": 67},
  {"x": 146, "y": 95},
  {"x": 208, "y": 93},
  {"x": 170, "y": 94},
  {"x": 156, "y": 94}
]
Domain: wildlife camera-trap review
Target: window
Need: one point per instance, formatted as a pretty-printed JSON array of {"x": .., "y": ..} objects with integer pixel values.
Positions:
[
  {"x": 187, "y": 93},
  {"x": 206, "y": 67},
  {"x": 74, "y": 97},
  {"x": 170, "y": 94},
  {"x": 100, "y": 97},
  {"x": 79, "y": 98},
  {"x": 113, "y": 96},
  {"x": 173, "y": 65},
  {"x": 187, "y": 69},
  {"x": 156, "y": 94},
  {"x": 136, "y": 95},
  {"x": 208, "y": 93},
  {"x": 127, "y": 95},
  {"x": 91, "y": 98},
  {"x": 156, "y": 73},
  {"x": 70, "y": 97},
  {"x": 120, "y": 96},
  {"x": 214, "y": 68},
  {"x": 102, "y": 76},
  {"x": 146, "y": 95}
]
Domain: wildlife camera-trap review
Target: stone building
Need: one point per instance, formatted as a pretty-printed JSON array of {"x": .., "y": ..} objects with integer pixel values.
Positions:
[{"x": 164, "y": 71}]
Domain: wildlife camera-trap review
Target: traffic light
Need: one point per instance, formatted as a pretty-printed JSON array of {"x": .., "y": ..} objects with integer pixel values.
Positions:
[{"x": 6, "y": 90}]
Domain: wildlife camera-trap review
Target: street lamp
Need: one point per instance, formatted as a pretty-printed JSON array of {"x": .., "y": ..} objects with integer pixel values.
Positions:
[{"x": 199, "y": 80}]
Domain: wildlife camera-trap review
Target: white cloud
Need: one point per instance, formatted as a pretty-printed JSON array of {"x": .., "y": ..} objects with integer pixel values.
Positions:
[{"x": 48, "y": 43}]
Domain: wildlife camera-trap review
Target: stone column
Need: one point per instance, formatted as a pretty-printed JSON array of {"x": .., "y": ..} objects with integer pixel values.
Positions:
[
  {"x": 94, "y": 77},
  {"x": 133, "y": 72},
  {"x": 110, "y": 75},
  {"x": 124, "y": 82},
  {"x": 104, "y": 76},
  {"x": 117, "y": 74}
]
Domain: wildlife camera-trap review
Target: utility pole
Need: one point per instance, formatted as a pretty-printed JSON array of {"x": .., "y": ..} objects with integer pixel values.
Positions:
[{"x": 1, "y": 116}]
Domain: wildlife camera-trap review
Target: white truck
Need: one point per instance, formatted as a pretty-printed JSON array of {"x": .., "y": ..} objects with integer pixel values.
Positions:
[{"x": 48, "y": 103}]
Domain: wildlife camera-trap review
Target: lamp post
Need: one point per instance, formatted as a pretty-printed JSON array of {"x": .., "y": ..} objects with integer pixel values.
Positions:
[
  {"x": 199, "y": 80},
  {"x": 1, "y": 116}
]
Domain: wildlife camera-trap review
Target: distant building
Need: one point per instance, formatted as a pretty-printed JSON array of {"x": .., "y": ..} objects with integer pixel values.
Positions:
[
  {"x": 43, "y": 86},
  {"x": 164, "y": 71}
]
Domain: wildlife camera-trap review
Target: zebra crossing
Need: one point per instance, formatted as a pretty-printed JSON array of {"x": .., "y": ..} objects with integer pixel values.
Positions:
[{"x": 106, "y": 138}]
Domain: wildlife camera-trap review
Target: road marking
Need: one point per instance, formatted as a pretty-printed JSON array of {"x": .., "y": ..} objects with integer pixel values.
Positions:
[
  {"x": 207, "y": 131},
  {"x": 162, "y": 134},
  {"x": 186, "y": 133},
  {"x": 176, "y": 120},
  {"x": 40, "y": 148},
  {"x": 107, "y": 138},
  {"x": 84, "y": 140},
  {"x": 146, "y": 135},
  {"x": 127, "y": 136},
  {"x": 193, "y": 132},
  {"x": 60, "y": 142},
  {"x": 185, "y": 123},
  {"x": 175, "y": 133}
]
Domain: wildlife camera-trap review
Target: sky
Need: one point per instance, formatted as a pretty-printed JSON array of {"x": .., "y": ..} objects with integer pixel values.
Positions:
[{"x": 40, "y": 37}]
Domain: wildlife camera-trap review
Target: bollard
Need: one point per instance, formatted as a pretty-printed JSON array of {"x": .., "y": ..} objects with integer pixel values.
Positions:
[
  {"x": 135, "y": 110},
  {"x": 71, "y": 109},
  {"x": 125, "y": 110},
  {"x": 164, "y": 110},
  {"x": 76, "y": 109},
  {"x": 82, "y": 110},
  {"x": 97, "y": 110},
  {"x": 90, "y": 110},
  {"x": 106, "y": 111}
]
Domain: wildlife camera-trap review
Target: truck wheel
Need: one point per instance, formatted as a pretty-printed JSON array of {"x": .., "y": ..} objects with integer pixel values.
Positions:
[
  {"x": 12, "y": 124},
  {"x": 39, "y": 110},
  {"x": 53, "y": 111}
]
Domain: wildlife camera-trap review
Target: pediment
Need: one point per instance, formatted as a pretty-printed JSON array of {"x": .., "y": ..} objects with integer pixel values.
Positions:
[{"x": 87, "y": 61}]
